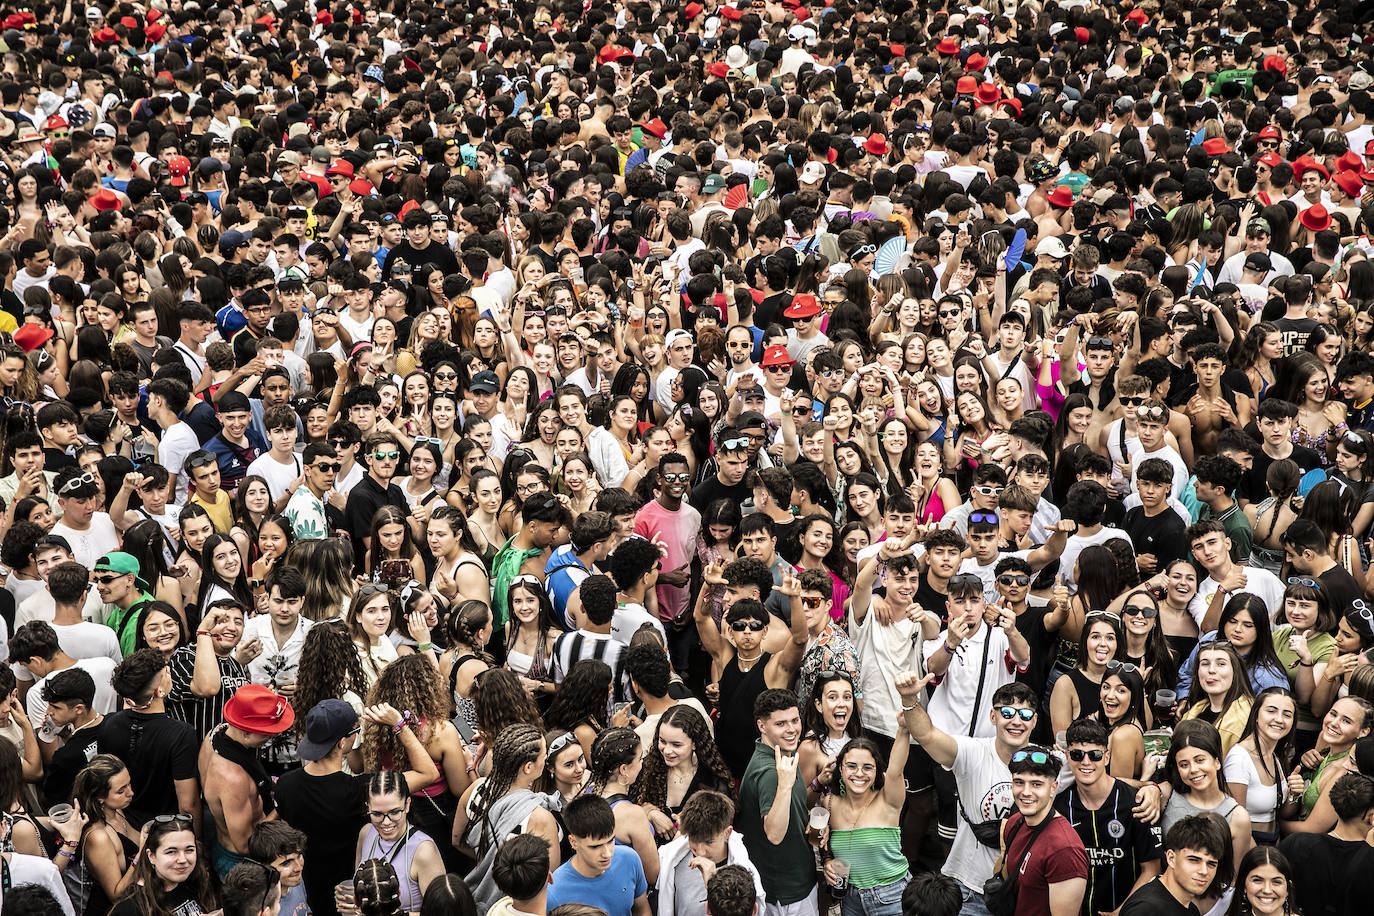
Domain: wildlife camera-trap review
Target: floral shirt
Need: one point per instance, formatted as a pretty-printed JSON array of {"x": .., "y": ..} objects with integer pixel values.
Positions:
[{"x": 832, "y": 651}]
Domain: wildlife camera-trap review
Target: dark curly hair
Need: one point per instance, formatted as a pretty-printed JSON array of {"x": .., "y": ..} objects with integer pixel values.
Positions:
[
  {"x": 329, "y": 668},
  {"x": 651, "y": 788},
  {"x": 499, "y": 701},
  {"x": 581, "y": 699}
]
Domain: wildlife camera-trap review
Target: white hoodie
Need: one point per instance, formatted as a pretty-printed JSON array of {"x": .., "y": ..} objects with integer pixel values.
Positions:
[{"x": 672, "y": 855}]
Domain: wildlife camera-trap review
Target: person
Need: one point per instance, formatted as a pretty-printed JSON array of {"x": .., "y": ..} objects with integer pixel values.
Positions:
[
  {"x": 672, "y": 523},
  {"x": 1123, "y": 853},
  {"x": 1266, "y": 885},
  {"x": 773, "y": 809},
  {"x": 1345, "y": 725},
  {"x": 865, "y": 805},
  {"x": 329, "y": 805},
  {"x": 1194, "y": 847},
  {"x": 1324, "y": 859},
  {"x": 730, "y": 891},
  {"x": 521, "y": 871},
  {"x": 388, "y": 836},
  {"x": 252, "y": 889},
  {"x": 280, "y": 846},
  {"x": 1256, "y": 766},
  {"x": 238, "y": 791},
  {"x": 306, "y": 508},
  {"x": 159, "y": 750},
  {"x": 932, "y": 894},
  {"x": 170, "y": 877},
  {"x": 705, "y": 845},
  {"x": 1193, "y": 767},
  {"x": 375, "y": 490},
  {"x": 1221, "y": 694},
  {"x": 207, "y": 674},
  {"x": 1051, "y": 865},
  {"x": 601, "y": 872}
]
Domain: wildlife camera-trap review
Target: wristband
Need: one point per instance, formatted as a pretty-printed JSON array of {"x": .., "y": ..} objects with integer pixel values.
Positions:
[
  {"x": 69, "y": 856},
  {"x": 948, "y": 648},
  {"x": 70, "y": 844},
  {"x": 913, "y": 706},
  {"x": 425, "y": 646},
  {"x": 1303, "y": 664},
  {"x": 204, "y": 633}
]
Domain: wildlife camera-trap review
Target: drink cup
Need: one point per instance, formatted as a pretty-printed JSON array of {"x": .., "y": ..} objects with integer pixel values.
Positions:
[
  {"x": 839, "y": 882},
  {"x": 815, "y": 827},
  {"x": 344, "y": 899},
  {"x": 60, "y": 814}
]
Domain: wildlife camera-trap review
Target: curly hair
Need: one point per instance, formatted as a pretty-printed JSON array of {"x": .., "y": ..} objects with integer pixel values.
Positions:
[
  {"x": 411, "y": 682},
  {"x": 582, "y": 697},
  {"x": 651, "y": 788},
  {"x": 329, "y": 668},
  {"x": 516, "y": 746},
  {"x": 500, "y": 701}
]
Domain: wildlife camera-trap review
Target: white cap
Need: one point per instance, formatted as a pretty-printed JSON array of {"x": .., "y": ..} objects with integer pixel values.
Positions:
[
  {"x": 798, "y": 33},
  {"x": 1052, "y": 248},
  {"x": 812, "y": 173}
]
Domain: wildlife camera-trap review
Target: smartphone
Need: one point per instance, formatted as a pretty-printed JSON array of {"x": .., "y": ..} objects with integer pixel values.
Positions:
[{"x": 394, "y": 571}]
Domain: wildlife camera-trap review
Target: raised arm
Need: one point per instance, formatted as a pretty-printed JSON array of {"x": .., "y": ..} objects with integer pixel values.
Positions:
[
  {"x": 941, "y": 747},
  {"x": 789, "y": 659}
]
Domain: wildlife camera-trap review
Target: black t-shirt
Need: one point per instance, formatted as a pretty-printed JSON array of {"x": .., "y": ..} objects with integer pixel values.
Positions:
[
  {"x": 1117, "y": 844},
  {"x": 711, "y": 489},
  {"x": 1341, "y": 590},
  {"x": 179, "y": 902},
  {"x": 930, "y": 599},
  {"x": 1155, "y": 900},
  {"x": 1323, "y": 862},
  {"x": 366, "y": 497},
  {"x": 158, "y": 750},
  {"x": 770, "y": 310},
  {"x": 1295, "y": 333},
  {"x": 1163, "y": 535},
  {"x": 1030, "y": 623},
  {"x": 329, "y": 810},
  {"x": 68, "y": 760},
  {"x": 1252, "y": 485},
  {"x": 433, "y": 253}
]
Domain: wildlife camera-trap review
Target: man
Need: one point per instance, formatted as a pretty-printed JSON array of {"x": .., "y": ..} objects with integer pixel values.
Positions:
[
  {"x": 590, "y": 540},
  {"x": 650, "y": 674},
  {"x": 70, "y": 696},
  {"x": 521, "y": 872},
  {"x": 196, "y": 322},
  {"x": 124, "y": 596},
  {"x": 1215, "y": 478},
  {"x": 635, "y": 568},
  {"x": 238, "y": 791},
  {"x": 980, "y": 771},
  {"x": 59, "y": 426},
  {"x": 601, "y": 872},
  {"x": 1151, "y": 423},
  {"x": 279, "y": 465},
  {"x": 252, "y": 888},
  {"x": 706, "y": 846},
  {"x": 1274, "y": 418},
  {"x": 202, "y": 469},
  {"x": 145, "y": 340},
  {"x": 1306, "y": 549},
  {"x": 828, "y": 646},
  {"x": 527, "y": 551},
  {"x": 1211, "y": 550},
  {"x": 1043, "y": 853},
  {"x": 375, "y": 490},
  {"x": 1297, "y": 323},
  {"x": 238, "y": 444},
  {"x": 90, "y": 533},
  {"x": 159, "y": 751},
  {"x": 306, "y": 509},
  {"x": 1329, "y": 863},
  {"x": 1257, "y": 235},
  {"x": 1193, "y": 848},
  {"x": 330, "y": 806},
  {"x": 673, "y": 525},
  {"x": 35, "y": 646},
  {"x": 773, "y": 809},
  {"x": 29, "y": 478},
  {"x": 49, "y": 552},
  {"x": 166, "y": 400},
  {"x": 1155, "y": 529},
  {"x": 1123, "y": 854},
  {"x": 1354, "y": 378},
  {"x": 592, "y": 638}
]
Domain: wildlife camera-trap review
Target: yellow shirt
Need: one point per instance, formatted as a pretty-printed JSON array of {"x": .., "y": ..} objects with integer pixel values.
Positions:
[{"x": 221, "y": 515}]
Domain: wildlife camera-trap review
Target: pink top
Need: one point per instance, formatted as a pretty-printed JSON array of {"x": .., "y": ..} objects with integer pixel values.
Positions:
[{"x": 677, "y": 531}]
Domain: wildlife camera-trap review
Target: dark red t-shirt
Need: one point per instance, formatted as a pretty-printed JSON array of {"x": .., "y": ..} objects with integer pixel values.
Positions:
[{"x": 1058, "y": 855}]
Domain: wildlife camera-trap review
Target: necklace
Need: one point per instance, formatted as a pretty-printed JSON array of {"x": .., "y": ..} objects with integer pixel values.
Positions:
[{"x": 739, "y": 657}]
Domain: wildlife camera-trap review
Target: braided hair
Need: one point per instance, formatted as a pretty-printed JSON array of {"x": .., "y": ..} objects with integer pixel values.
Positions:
[
  {"x": 514, "y": 747},
  {"x": 376, "y": 889},
  {"x": 651, "y": 788},
  {"x": 612, "y": 749},
  {"x": 411, "y": 682}
]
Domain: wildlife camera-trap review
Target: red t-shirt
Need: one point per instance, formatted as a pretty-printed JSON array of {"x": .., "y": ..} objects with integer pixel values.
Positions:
[{"x": 1058, "y": 855}]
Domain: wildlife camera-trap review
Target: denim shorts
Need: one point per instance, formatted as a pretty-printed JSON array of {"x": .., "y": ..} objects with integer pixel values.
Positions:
[
  {"x": 973, "y": 902},
  {"x": 883, "y": 900}
]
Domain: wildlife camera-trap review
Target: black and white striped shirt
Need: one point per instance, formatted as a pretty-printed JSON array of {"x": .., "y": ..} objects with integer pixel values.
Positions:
[{"x": 201, "y": 713}]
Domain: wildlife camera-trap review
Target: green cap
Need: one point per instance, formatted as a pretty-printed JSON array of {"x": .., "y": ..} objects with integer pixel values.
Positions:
[{"x": 117, "y": 562}]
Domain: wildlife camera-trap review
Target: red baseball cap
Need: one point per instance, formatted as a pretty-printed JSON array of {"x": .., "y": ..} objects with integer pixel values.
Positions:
[
  {"x": 655, "y": 127},
  {"x": 342, "y": 167},
  {"x": 1270, "y": 132},
  {"x": 105, "y": 199}
]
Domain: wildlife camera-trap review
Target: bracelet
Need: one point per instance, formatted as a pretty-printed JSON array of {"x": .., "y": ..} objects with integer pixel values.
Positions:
[
  {"x": 69, "y": 856},
  {"x": 425, "y": 646},
  {"x": 949, "y": 648},
  {"x": 204, "y": 633},
  {"x": 70, "y": 844},
  {"x": 1303, "y": 664},
  {"x": 913, "y": 706}
]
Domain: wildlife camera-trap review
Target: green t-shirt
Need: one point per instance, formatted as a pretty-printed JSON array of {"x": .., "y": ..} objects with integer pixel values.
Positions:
[
  {"x": 125, "y": 623},
  {"x": 788, "y": 870},
  {"x": 1321, "y": 646}
]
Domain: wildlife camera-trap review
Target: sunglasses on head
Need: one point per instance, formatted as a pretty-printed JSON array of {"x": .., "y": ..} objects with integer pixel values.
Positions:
[
  {"x": 1127, "y": 667},
  {"x": 1095, "y": 755},
  {"x": 562, "y": 741},
  {"x": 861, "y": 251},
  {"x": 989, "y": 517},
  {"x": 753, "y": 626},
  {"x": 1011, "y": 712},
  {"x": 77, "y": 483},
  {"x": 964, "y": 582},
  {"x": 740, "y": 443},
  {"x": 1102, "y": 615},
  {"x": 201, "y": 461},
  {"x": 1303, "y": 580},
  {"x": 1152, "y": 414}
]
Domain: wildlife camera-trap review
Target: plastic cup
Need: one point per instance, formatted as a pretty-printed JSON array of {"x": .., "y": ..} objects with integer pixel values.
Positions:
[
  {"x": 815, "y": 827},
  {"x": 60, "y": 814},
  {"x": 1165, "y": 699},
  {"x": 344, "y": 899}
]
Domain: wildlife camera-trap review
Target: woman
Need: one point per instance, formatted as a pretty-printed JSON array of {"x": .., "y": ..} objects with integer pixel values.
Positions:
[
  {"x": 1122, "y": 712},
  {"x": 578, "y": 480},
  {"x": 420, "y": 485},
  {"x": 1075, "y": 418},
  {"x": 391, "y": 556},
  {"x": 828, "y": 724},
  {"x": 1321, "y": 418},
  {"x": 498, "y": 702},
  {"x": 275, "y": 535},
  {"x": 1304, "y": 637},
  {"x": 897, "y": 453},
  {"x": 146, "y": 541},
  {"x": 469, "y": 629},
  {"x": 412, "y": 684},
  {"x": 864, "y": 502},
  {"x": 1264, "y": 884},
  {"x": 1354, "y": 467},
  {"x": 1078, "y": 692},
  {"x": 110, "y": 846},
  {"x": 935, "y": 493},
  {"x": 817, "y": 537},
  {"x": 388, "y": 836},
  {"x": 1176, "y": 621},
  {"x": 1145, "y": 643},
  {"x": 252, "y": 503},
  {"x": 580, "y": 704},
  {"x": 682, "y": 759},
  {"x": 530, "y": 634},
  {"x": 160, "y": 627},
  {"x": 865, "y": 804},
  {"x": 565, "y": 768},
  {"x": 1263, "y": 347},
  {"x": 195, "y": 527},
  {"x": 717, "y": 540},
  {"x": 170, "y": 879},
  {"x": 541, "y": 429},
  {"x": 330, "y": 670},
  {"x": 1354, "y": 641},
  {"x": 223, "y": 576},
  {"x": 1348, "y": 721},
  {"x": 327, "y": 564},
  {"x": 1271, "y": 516},
  {"x": 1244, "y": 623},
  {"x": 1221, "y": 694},
  {"x": 369, "y": 621},
  {"x": 1193, "y": 767},
  {"x": 484, "y": 520},
  {"x": 1256, "y": 767},
  {"x": 617, "y": 760},
  {"x": 458, "y": 570}
]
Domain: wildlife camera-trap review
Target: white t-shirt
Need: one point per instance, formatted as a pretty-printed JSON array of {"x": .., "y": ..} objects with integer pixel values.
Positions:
[
  {"x": 90, "y": 545},
  {"x": 984, "y": 784},
  {"x": 38, "y": 870},
  {"x": 955, "y": 704},
  {"x": 40, "y": 606},
  {"x": 885, "y": 650},
  {"x": 177, "y": 443},
  {"x": 106, "y": 700},
  {"x": 278, "y": 476},
  {"x": 1169, "y": 454},
  {"x": 628, "y": 619},
  {"x": 1261, "y": 583},
  {"x": 1075, "y": 546}
]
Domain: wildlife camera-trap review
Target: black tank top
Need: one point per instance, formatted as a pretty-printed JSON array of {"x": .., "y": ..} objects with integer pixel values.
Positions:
[
  {"x": 1089, "y": 693},
  {"x": 735, "y": 719}
]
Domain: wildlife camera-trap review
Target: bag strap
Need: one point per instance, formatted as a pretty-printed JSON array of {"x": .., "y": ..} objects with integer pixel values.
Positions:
[
  {"x": 1035, "y": 835},
  {"x": 1011, "y": 366},
  {"x": 982, "y": 681}
]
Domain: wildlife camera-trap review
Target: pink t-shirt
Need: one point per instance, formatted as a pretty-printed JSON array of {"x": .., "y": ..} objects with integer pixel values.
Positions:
[{"x": 678, "y": 532}]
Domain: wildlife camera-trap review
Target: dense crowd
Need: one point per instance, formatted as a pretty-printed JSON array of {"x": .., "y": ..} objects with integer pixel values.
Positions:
[{"x": 635, "y": 457}]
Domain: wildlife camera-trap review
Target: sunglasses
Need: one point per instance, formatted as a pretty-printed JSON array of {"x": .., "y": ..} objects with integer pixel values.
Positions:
[
  {"x": 738, "y": 345},
  {"x": 1303, "y": 580},
  {"x": 76, "y": 483},
  {"x": 753, "y": 626},
  {"x": 861, "y": 251},
  {"x": 383, "y": 456},
  {"x": 172, "y": 819},
  {"x": 987, "y": 491},
  {"x": 1152, "y": 414},
  {"x": 1102, "y": 615},
  {"x": 949, "y": 313},
  {"x": 737, "y": 444},
  {"x": 201, "y": 461},
  {"x": 1127, "y": 667},
  {"x": 1014, "y": 580},
  {"x": 367, "y": 591},
  {"x": 1101, "y": 343},
  {"x": 562, "y": 741},
  {"x": 1359, "y": 609},
  {"x": 328, "y": 467},
  {"x": 812, "y": 603},
  {"x": 1037, "y": 757},
  {"x": 446, "y": 376},
  {"x": 680, "y": 477},
  {"x": 1095, "y": 755},
  {"x": 1012, "y": 712},
  {"x": 1149, "y": 613},
  {"x": 990, "y": 517},
  {"x": 964, "y": 582},
  {"x": 777, "y": 368},
  {"x": 106, "y": 580},
  {"x": 1132, "y": 402}
]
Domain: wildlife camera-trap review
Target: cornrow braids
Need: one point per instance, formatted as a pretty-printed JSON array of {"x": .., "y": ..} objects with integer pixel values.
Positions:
[
  {"x": 516, "y": 746},
  {"x": 411, "y": 682},
  {"x": 376, "y": 888},
  {"x": 612, "y": 749},
  {"x": 651, "y": 788}
]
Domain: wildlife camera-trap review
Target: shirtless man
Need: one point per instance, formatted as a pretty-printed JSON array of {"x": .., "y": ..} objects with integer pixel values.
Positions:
[{"x": 238, "y": 790}]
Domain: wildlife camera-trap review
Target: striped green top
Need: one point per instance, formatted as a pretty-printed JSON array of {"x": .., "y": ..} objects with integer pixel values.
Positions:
[{"x": 874, "y": 855}]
